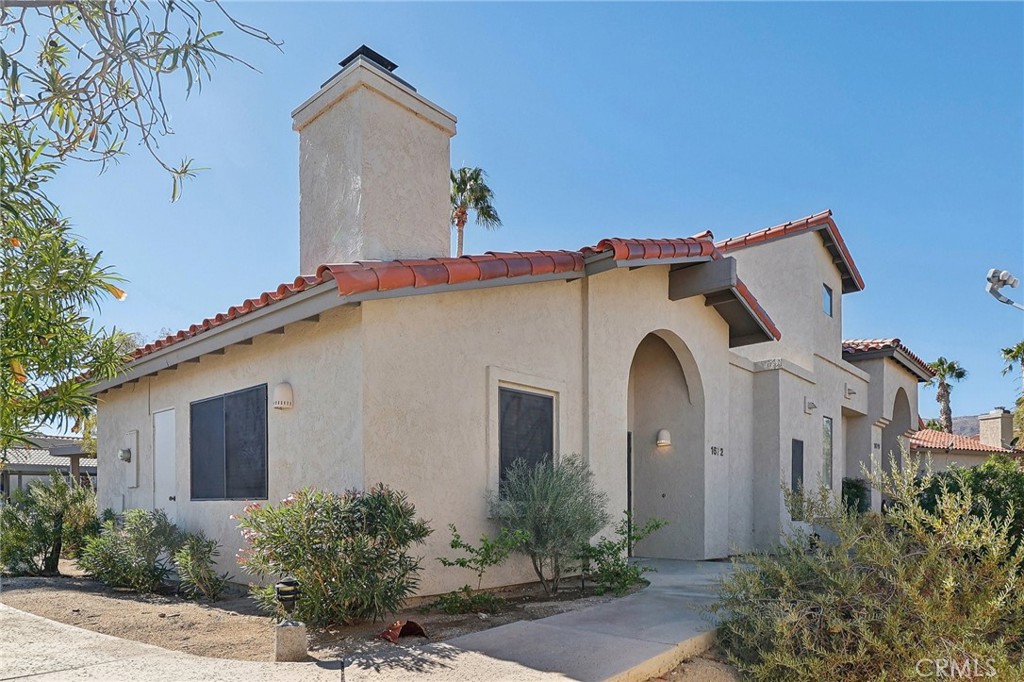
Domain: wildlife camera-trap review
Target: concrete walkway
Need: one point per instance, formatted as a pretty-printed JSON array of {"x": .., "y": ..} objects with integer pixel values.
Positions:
[{"x": 632, "y": 638}]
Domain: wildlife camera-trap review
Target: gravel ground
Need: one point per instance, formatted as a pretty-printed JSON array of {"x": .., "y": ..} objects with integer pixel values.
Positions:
[{"x": 233, "y": 627}]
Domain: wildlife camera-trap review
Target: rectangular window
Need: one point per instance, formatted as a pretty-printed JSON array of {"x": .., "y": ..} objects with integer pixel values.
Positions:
[
  {"x": 526, "y": 428},
  {"x": 228, "y": 446},
  {"x": 797, "y": 471},
  {"x": 826, "y": 299},
  {"x": 826, "y": 451}
]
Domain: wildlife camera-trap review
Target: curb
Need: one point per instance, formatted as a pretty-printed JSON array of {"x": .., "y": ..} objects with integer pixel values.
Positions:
[{"x": 664, "y": 662}]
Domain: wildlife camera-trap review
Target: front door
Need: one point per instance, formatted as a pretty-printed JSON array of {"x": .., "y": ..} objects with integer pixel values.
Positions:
[{"x": 165, "y": 474}]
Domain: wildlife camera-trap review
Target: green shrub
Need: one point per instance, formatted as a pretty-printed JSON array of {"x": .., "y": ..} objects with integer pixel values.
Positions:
[
  {"x": 997, "y": 484},
  {"x": 887, "y": 594},
  {"x": 466, "y": 600},
  {"x": 136, "y": 553},
  {"x": 490, "y": 553},
  {"x": 194, "y": 562},
  {"x": 857, "y": 495},
  {"x": 37, "y": 522},
  {"x": 349, "y": 552},
  {"x": 606, "y": 562},
  {"x": 557, "y": 507}
]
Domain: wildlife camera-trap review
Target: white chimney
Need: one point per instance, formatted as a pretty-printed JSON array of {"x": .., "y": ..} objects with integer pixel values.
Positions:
[
  {"x": 374, "y": 162},
  {"x": 996, "y": 428}
]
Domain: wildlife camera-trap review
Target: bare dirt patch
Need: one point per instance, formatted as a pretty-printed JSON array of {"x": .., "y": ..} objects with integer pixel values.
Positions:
[
  {"x": 235, "y": 628},
  {"x": 708, "y": 667}
]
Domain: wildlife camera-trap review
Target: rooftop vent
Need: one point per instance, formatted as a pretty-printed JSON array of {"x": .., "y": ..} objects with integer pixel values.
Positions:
[{"x": 375, "y": 59}]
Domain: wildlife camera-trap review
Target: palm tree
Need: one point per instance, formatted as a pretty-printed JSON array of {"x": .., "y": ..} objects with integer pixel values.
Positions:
[
  {"x": 471, "y": 193},
  {"x": 945, "y": 371},
  {"x": 1014, "y": 355}
]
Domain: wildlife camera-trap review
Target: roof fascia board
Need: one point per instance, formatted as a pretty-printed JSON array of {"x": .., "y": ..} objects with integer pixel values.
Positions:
[
  {"x": 753, "y": 314},
  {"x": 406, "y": 292},
  {"x": 606, "y": 261},
  {"x": 293, "y": 309},
  {"x": 896, "y": 354}
]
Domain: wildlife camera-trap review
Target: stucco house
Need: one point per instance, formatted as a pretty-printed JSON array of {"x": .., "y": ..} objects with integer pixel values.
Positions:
[
  {"x": 694, "y": 375},
  {"x": 945, "y": 450}
]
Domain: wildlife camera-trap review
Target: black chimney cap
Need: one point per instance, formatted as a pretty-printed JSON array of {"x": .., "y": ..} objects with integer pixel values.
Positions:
[{"x": 372, "y": 55}]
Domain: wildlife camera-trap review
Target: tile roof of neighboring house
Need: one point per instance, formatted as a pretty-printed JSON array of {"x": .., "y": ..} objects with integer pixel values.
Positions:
[
  {"x": 854, "y": 349},
  {"x": 819, "y": 222},
  {"x": 40, "y": 457},
  {"x": 409, "y": 274},
  {"x": 931, "y": 439}
]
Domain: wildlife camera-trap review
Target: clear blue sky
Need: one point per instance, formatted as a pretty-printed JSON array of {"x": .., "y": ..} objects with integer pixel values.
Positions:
[{"x": 644, "y": 120}]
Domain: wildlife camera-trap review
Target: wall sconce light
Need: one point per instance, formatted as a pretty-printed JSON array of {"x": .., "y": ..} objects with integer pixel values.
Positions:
[
  {"x": 283, "y": 396},
  {"x": 125, "y": 454},
  {"x": 664, "y": 438},
  {"x": 809, "y": 406}
]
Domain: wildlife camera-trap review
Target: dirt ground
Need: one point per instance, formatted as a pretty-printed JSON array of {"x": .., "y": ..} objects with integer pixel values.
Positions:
[
  {"x": 234, "y": 627},
  {"x": 708, "y": 667}
]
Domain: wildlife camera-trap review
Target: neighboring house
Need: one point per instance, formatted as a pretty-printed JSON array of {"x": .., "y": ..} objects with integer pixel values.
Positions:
[
  {"x": 695, "y": 377},
  {"x": 947, "y": 449},
  {"x": 27, "y": 465}
]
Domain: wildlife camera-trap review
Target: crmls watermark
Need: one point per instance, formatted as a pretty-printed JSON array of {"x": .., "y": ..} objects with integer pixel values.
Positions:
[{"x": 967, "y": 668}]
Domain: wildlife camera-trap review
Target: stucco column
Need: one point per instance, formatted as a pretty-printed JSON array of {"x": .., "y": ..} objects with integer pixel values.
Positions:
[{"x": 75, "y": 468}]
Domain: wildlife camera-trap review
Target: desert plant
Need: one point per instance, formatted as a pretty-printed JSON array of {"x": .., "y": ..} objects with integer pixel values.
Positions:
[
  {"x": 36, "y": 522},
  {"x": 857, "y": 495},
  {"x": 195, "y": 561},
  {"x": 558, "y": 508},
  {"x": 888, "y": 595},
  {"x": 349, "y": 552},
  {"x": 136, "y": 552},
  {"x": 606, "y": 562},
  {"x": 490, "y": 553},
  {"x": 996, "y": 487},
  {"x": 465, "y": 600}
]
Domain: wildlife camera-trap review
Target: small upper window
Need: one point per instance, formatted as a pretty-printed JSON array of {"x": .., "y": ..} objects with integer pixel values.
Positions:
[
  {"x": 826, "y": 299},
  {"x": 526, "y": 428}
]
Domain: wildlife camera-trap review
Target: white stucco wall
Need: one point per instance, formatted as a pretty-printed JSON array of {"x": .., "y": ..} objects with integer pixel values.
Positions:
[
  {"x": 318, "y": 442},
  {"x": 373, "y": 172},
  {"x": 787, "y": 276},
  {"x": 805, "y": 368}
]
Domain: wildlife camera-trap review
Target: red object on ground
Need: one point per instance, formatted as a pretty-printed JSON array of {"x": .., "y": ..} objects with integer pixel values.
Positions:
[{"x": 402, "y": 628}]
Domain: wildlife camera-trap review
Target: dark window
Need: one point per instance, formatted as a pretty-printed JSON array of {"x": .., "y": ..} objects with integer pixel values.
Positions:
[
  {"x": 797, "y": 473},
  {"x": 526, "y": 428},
  {"x": 826, "y": 440},
  {"x": 228, "y": 443},
  {"x": 826, "y": 299}
]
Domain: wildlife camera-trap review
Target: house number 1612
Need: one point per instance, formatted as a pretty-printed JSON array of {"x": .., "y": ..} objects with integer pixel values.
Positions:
[{"x": 717, "y": 451}]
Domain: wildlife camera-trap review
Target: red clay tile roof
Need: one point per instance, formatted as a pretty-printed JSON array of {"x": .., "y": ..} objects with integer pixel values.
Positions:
[
  {"x": 820, "y": 222},
  {"x": 368, "y": 276},
  {"x": 855, "y": 347},
  {"x": 930, "y": 439}
]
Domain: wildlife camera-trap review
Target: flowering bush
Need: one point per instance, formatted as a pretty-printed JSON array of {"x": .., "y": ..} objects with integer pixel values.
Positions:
[{"x": 349, "y": 552}]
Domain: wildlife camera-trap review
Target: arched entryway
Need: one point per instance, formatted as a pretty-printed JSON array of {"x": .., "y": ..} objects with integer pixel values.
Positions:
[
  {"x": 667, "y": 481},
  {"x": 897, "y": 428}
]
